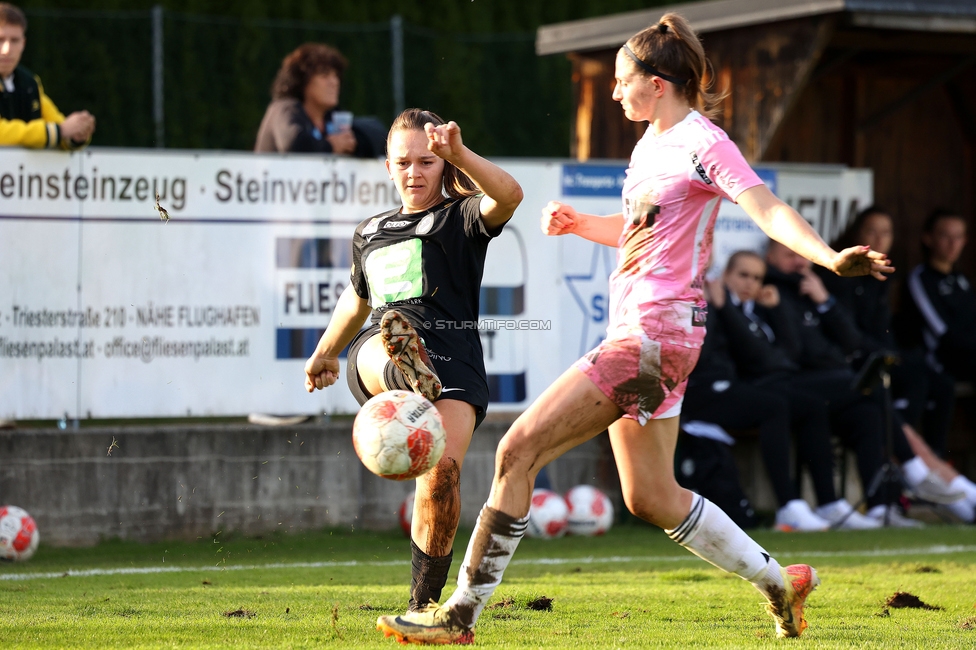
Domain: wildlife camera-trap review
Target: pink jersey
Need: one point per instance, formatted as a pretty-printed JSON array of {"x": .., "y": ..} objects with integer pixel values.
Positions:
[{"x": 662, "y": 256}]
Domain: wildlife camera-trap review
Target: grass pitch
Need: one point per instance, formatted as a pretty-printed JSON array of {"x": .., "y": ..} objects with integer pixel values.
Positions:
[{"x": 631, "y": 588}]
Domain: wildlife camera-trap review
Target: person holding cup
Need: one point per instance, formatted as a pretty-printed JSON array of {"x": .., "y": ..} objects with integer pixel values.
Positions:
[{"x": 302, "y": 116}]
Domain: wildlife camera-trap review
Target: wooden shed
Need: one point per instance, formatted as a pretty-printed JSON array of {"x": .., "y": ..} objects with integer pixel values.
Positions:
[{"x": 888, "y": 85}]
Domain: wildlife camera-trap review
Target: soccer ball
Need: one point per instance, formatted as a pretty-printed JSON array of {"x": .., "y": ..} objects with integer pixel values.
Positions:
[
  {"x": 548, "y": 515},
  {"x": 590, "y": 511},
  {"x": 398, "y": 435},
  {"x": 406, "y": 513},
  {"x": 18, "y": 534}
]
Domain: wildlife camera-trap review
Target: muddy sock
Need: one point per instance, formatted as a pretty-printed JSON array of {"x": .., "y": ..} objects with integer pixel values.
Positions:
[
  {"x": 427, "y": 577},
  {"x": 495, "y": 538},
  {"x": 710, "y": 534},
  {"x": 393, "y": 379}
]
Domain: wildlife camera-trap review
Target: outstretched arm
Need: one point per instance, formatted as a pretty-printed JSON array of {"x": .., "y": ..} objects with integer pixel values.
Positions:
[
  {"x": 502, "y": 192},
  {"x": 562, "y": 219},
  {"x": 322, "y": 368},
  {"x": 785, "y": 225}
]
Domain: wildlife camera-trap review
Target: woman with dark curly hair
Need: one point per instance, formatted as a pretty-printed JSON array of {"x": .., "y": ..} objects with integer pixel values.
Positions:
[{"x": 305, "y": 95}]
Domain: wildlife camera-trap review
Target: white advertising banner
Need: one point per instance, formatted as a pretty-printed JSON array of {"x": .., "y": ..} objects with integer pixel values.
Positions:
[{"x": 108, "y": 311}]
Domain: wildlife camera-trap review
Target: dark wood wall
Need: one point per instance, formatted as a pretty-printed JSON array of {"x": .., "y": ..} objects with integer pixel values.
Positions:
[
  {"x": 819, "y": 90},
  {"x": 909, "y": 116}
]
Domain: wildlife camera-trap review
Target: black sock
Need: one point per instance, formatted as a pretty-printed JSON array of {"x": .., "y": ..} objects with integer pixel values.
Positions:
[
  {"x": 428, "y": 575},
  {"x": 394, "y": 379}
]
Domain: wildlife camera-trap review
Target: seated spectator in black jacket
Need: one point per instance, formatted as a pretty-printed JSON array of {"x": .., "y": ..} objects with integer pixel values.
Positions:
[
  {"x": 28, "y": 117},
  {"x": 923, "y": 396},
  {"x": 717, "y": 395},
  {"x": 305, "y": 98},
  {"x": 939, "y": 308},
  {"x": 828, "y": 337}
]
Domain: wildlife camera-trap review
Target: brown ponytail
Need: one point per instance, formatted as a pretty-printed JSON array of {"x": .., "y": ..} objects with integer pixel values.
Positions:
[
  {"x": 672, "y": 47},
  {"x": 457, "y": 184}
]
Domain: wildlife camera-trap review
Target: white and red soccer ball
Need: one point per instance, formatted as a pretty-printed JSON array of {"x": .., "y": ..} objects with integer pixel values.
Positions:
[
  {"x": 398, "y": 435},
  {"x": 590, "y": 511},
  {"x": 548, "y": 515},
  {"x": 18, "y": 534},
  {"x": 406, "y": 513}
]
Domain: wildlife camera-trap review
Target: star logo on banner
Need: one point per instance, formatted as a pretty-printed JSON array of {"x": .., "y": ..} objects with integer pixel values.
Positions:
[{"x": 592, "y": 293}]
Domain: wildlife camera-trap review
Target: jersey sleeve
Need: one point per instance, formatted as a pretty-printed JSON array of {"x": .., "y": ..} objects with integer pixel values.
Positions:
[
  {"x": 474, "y": 225},
  {"x": 724, "y": 170},
  {"x": 53, "y": 118},
  {"x": 357, "y": 277},
  {"x": 35, "y": 134}
]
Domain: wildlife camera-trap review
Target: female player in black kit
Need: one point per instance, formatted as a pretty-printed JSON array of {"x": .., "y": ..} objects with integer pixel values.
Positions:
[{"x": 417, "y": 272}]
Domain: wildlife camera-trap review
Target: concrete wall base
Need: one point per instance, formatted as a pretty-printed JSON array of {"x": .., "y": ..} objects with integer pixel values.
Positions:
[{"x": 183, "y": 482}]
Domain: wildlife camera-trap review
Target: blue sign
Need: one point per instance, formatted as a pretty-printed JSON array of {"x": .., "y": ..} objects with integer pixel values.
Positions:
[
  {"x": 767, "y": 176},
  {"x": 593, "y": 180}
]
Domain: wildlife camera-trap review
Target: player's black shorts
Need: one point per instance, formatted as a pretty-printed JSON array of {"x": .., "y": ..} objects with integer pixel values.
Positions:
[{"x": 459, "y": 380}]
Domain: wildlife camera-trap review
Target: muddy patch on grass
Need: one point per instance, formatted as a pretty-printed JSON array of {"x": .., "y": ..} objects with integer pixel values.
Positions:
[
  {"x": 240, "y": 613},
  {"x": 540, "y": 604},
  {"x": 927, "y": 569},
  {"x": 901, "y": 599},
  {"x": 968, "y": 623},
  {"x": 904, "y": 600},
  {"x": 502, "y": 604}
]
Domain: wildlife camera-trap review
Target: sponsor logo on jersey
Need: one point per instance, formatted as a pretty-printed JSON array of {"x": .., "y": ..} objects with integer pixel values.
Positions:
[
  {"x": 699, "y": 168},
  {"x": 395, "y": 272},
  {"x": 371, "y": 227},
  {"x": 396, "y": 224},
  {"x": 425, "y": 225}
]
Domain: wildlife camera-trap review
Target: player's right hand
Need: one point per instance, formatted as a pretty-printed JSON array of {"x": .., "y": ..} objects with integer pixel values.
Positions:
[
  {"x": 558, "y": 218},
  {"x": 320, "y": 372}
]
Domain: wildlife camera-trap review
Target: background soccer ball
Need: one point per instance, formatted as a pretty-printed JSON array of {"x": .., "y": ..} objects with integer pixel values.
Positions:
[
  {"x": 406, "y": 513},
  {"x": 398, "y": 435},
  {"x": 590, "y": 511},
  {"x": 548, "y": 515},
  {"x": 18, "y": 534}
]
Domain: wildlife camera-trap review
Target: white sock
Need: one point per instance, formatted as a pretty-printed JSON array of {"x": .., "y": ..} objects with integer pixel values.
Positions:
[
  {"x": 915, "y": 471},
  {"x": 963, "y": 484},
  {"x": 964, "y": 509},
  {"x": 710, "y": 534},
  {"x": 495, "y": 538}
]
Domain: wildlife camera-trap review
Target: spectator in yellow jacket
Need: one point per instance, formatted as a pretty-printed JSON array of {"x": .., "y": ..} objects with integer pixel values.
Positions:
[{"x": 28, "y": 117}]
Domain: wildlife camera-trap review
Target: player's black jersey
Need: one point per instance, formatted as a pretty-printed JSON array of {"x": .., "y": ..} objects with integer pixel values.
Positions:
[{"x": 429, "y": 267}]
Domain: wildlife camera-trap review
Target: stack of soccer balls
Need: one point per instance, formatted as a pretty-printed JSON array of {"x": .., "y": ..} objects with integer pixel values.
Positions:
[
  {"x": 584, "y": 510},
  {"x": 18, "y": 534}
]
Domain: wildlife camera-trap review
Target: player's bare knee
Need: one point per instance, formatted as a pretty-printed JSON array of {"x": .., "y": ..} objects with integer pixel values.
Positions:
[
  {"x": 657, "y": 506},
  {"x": 514, "y": 454}
]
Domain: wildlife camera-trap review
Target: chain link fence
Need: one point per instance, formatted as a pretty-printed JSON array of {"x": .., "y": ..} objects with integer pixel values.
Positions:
[{"x": 216, "y": 75}]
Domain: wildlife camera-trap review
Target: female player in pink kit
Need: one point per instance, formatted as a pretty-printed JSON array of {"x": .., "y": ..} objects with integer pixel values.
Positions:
[{"x": 633, "y": 383}]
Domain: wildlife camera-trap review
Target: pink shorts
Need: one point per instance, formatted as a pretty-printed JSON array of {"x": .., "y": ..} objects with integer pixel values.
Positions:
[{"x": 645, "y": 378}]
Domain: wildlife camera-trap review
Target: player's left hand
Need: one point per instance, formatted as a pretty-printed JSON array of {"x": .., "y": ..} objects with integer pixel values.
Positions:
[
  {"x": 861, "y": 260},
  {"x": 444, "y": 140}
]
